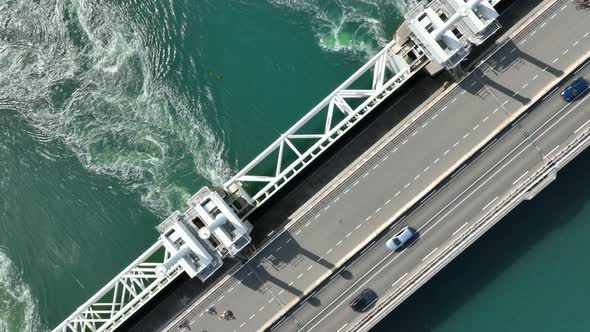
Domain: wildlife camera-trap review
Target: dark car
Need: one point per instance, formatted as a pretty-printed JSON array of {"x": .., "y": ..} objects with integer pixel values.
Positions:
[
  {"x": 575, "y": 89},
  {"x": 364, "y": 300}
]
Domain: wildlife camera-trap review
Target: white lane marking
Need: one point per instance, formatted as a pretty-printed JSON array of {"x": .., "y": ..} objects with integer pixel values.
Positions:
[
  {"x": 404, "y": 142},
  {"x": 376, "y": 165},
  {"x": 385, "y": 158},
  {"x": 542, "y": 25},
  {"x": 343, "y": 326},
  {"x": 346, "y": 191},
  {"x": 400, "y": 278},
  {"x": 291, "y": 283},
  {"x": 485, "y": 119},
  {"x": 555, "y": 60},
  {"x": 281, "y": 291},
  {"x": 271, "y": 299},
  {"x": 300, "y": 275},
  {"x": 231, "y": 289},
  {"x": 306, "y": 224},
  {"x": 562, "y": 8},
  {"x": 414, "y": 133},
  {"x": 474, "y": 83},
  {"x": 416, "y": 177},
  {"x": 365, "y": 175},
  {"x": 434, "y": 117},
  {"x": 309, "y": 268},
  {"x": 444, "y": 154},
  {"x": 555, "y": 114},
  {"x": 454, "y": 100},
  {"x": 505, "y": 102},
  {"x": 436, "y": 161},
  {"x": 463, "y": 92},
  {"x": 564, "y": 52},
  {"x": 407, "y": 185},
  {"x": 358, "y": 226},
  {"x": 367, "y": 218},
  {"x": 503, "y": 58},
  {"x": 320, "y": 258},
  {"x": 317, "y": 215},
  {"x": 456, "y": 143},
  {"x": 475, "y": 128},
  {"x": 388, "y": 201},
  {"x": 336, "y": 199},
  {"x": 425, "y": 257},
  {"x": 533, "y": 33},
  {"x": 494, "y": 111},
  {"x": 397, "y": 193},
  {"x": 552, "y": 16},
  {"x": 349, "y": 294},
  {"x": 535, "y": 77},
  {"x": 261, "y": 308},
  {"x": 576, "y": 43},
  {"x": 425, "y": 124},
  {"x": 339, "y": 243},
  {"x": 394, "y": 150},
  {"x": 490, "y": 203},
  {"x": 297, "y": 233},
  {"x": 514, "y": 94},
  {"x": 443, "y": 109},
  {"x": 242, "y": 325},
  {"x": 512, "y": 50},
  {"x": 252, "y": 316},
  {"x": 550, "y": 152},
  {"x": 458, "y": 229},
  {"x": 427, "y": 168},
  {"x": 550, "y": 93},
  {"x": 349, "y": 234},
  {"x": 580, "y": 127},
  {"x": 520, "y": 177},
  {"x": 586, "y": 34},
  {"x": 427, "y": 197},
  {"x": 250, "y": 273},
  {"x": 354, "y": 184},
  {"x": 288, "y": 240},
  {"x": 522, "y": 42},
  {"x": 465, "y": 136},
  {"x": 221, "y": 298},
  {"x": 377, "y": 211},
  {"x": 524, "y": 86},
  {"x": 329, "y": 251}
]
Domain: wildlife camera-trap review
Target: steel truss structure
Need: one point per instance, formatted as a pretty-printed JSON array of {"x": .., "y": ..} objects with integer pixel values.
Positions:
[
  {"x": 139, "y": 282},
  {"x": 123, "y": 295},
  {"x": 389, "y": 71}
]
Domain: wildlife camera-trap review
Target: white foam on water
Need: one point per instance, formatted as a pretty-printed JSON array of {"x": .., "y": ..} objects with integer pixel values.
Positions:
[
  {"x": 18, "y": 307},
  {"x": 360, "y": 27},
  {"x": 81, "y": 72}
]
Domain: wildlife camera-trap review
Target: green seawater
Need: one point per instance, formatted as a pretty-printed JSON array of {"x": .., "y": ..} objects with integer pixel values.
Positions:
[{"x": 113, "y": 112}]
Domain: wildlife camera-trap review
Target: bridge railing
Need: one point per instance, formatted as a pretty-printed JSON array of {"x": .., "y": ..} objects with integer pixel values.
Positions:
[
  {"x": 388, "y": 70},
  {"x": 524, "y": 191},
  {"x": 123, "y": 295}
]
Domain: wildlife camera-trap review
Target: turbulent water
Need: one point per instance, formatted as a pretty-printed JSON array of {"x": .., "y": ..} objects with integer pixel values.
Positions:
[{"x": 113, "y": 112}]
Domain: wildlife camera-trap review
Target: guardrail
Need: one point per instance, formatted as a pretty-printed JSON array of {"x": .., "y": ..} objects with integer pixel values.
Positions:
[{"x": 536, "y": 182}]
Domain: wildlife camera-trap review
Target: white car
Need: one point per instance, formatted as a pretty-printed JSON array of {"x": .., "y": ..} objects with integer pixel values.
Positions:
[{"x": 401, "y": 238}]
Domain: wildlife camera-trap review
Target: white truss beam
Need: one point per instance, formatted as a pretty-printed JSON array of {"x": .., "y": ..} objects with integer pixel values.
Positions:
[{"x": 389, "y": 71}]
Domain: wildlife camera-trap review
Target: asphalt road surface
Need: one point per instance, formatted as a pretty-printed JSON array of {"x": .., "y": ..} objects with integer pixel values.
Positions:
[
  {"x": 397, "y": 175},
  {"x": 506, "y": 162}
]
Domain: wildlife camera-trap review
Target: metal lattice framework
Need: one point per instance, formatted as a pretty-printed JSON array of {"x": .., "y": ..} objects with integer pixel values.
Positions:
[
  {"x": 389, "y": 71},
  {"x": 123, "y": 295}
]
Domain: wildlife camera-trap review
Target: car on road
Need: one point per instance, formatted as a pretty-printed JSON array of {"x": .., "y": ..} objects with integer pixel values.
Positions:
[
  {"x": 573, "y": 90},
  {"x": 402, "y": 237},
  {"x": 364, "y": 300}
]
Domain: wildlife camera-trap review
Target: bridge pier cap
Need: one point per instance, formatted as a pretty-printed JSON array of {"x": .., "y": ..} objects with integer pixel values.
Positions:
[{"x": 447, "y": 28}]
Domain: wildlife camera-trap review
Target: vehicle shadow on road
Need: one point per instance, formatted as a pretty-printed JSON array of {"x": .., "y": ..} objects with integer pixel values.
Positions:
[{"x": 522, "y": 229}]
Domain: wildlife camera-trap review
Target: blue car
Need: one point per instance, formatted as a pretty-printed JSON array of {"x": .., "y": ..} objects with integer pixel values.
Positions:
[{"x": 575, "y": 89}]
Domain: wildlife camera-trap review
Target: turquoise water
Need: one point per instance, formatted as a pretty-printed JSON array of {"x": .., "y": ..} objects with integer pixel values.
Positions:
[{"x": 113, "y": 112}]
